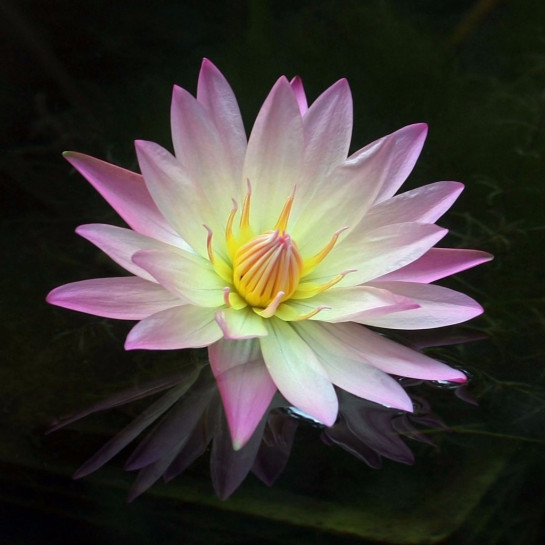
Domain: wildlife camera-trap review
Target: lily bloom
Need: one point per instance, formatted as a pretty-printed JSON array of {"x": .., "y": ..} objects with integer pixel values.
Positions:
[{"x": 275, "y": 252}]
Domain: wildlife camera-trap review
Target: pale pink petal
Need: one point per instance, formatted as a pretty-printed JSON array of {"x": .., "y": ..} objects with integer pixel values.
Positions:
[
  {"x": 120, "y": 244},
  {"x": 128, "y": 195},
  {"x": 300, "y": 95},
  {"x": 245, "y": 385},
  {"x": 439, "y": 307},
  {"x": 342, "y": 304},
  {"x": 185, "y": 274},
  {"x": 387, "y": 162},
  {"x": 438, "y": 263},
  {"x": 375, "y": 253},
  {"x": 200, "y": 149},
  {"x": 350, "y": 373},
  {"x": 274, "y": 157},
  {"x": 297, "y": 372},
  {"x": 180, "y": 327},
  {"x": 240, "y": 324},
  {"x": 216, "y": 95},
  {"x": 124, "y": 298},
  {"x": 354, "y": 341},
  {"x": 424, "y": 205},
  {"x": 183, "y": 202}
]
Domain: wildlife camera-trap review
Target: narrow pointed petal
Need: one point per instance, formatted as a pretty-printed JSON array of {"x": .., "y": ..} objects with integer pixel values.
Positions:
[
  {"x": 216, "y": 95},
  {"x": 342, "y": 304},
  {"x": 240, "y": 324},
  {"x": 354, "y": 341},
  {"x": 300, "y": 95},
  {"x": 127, "y": 194},
  {"x": 274, "y": 156},
  {"x": 438, "y": 307},
  {"x": 123, "y": 298},
  {"x": 245, "y": 385},
  {"x": 183, "y": 203},
  {"x": 180, "y": 327},
  {"x": 438, "y": 263},
  {"x": 185, "y": 274},
  {"x": 297, "y": 372},
  {"x": 327, "y": 128},
  {"x": 200, "y": 149},
  {"x": 351, "y": 374},
  {"x": 121, "y": 244},
  {"x": 424, "y": 205},
  {"x": 377, "y": 252}
]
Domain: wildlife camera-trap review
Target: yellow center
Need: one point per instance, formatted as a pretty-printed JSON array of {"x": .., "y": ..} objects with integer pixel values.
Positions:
[
  {"x": 267, "y": 269},
  {"x": 265, "y": 266}
]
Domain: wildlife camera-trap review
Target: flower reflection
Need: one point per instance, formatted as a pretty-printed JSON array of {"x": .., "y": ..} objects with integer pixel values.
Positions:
[{"x": 189, "y": 419}]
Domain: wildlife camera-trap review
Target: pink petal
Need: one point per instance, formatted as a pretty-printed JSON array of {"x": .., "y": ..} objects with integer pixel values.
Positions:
[
  {"x": 180, "y": 327},
  {"x": 199, "y": 147},
  {"x": 299, "y": 91},
  {"x": 186, "y": 274},
  {"x": 439, "y": 307},
  {"x": 424, "y": 205},
  {"x": 126, "y": 192},
  {"x": 182, "y": 201},
  {"x": 216, "y": 95},
  {"x": 274, "y": 156},
  {"x": 240, "y": 324},
  {"x": 377, "y": 252},
  {"x": 390, "y": 160},
  {"x": 125, "y": 298},
  {"x": 438, "y": 263},
  {"x": 120, "y": 244},
  {"x": 352, "y": 341},
  {"x": 245, "y": 385},
  {"x": 297, "y": 372}
]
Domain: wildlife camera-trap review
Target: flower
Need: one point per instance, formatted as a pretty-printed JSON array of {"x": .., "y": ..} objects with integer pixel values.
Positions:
[{"x": 273, "y": 252}]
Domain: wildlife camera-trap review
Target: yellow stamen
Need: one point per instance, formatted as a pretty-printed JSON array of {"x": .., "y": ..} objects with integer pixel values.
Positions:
[
  {"x": 222, "y": 268},
  {"x": 282, "y": 222},
  {"x": 229, "y": 237},
  {"x": 312, "y": 262},
  {"x": 305, "y": 290},
  {"x": 271, "y": 308},
  {"x": 245, "y": 228},
  {"x": 266, "y": 265}
]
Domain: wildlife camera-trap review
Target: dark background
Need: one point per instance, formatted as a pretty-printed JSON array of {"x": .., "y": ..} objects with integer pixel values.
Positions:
[{"x": 93, "y": 77}]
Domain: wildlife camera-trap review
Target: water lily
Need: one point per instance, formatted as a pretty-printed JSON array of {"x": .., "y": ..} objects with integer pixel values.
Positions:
[{"x": 275, "y": 252}]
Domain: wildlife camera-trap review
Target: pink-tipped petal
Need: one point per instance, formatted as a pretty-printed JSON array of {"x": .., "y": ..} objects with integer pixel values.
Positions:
[
  {"x": 377, "y": 252},
  {"x": 216, "y": 95},
  {"x": 439, "y": 307},
  {"x": 185, "y": 274},
  {"x": 297, "y": 372},
  {"x": 180, "y": 327},
  {"x": 438, "y": 263},
  {"x": 200, "y": 148},
  {"x": 300, "y": 95},
  {"x": 424, "y": 205},
  {"x": 245, "y": 385},
  {"x": 240, "y": 324},
  {"x": 354, "y": 341},
  {"x": 121, "y": 244},
  {"x": 128, "y": 195},
  {"x": 124, "y": 298},
  {"x": 275, "y": 153}
]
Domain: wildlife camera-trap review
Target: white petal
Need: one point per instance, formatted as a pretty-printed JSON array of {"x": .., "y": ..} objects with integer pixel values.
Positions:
[
  {"x": 181, "y": 327},
  {"x": 439, "y": 307},
  {"x": 274, "y": 157},
  {"x": 124, "y": 298},
  {"x": 297, "y": 372},
  {"x": 187, "y": 275},
  {"x": 240, "y": 324}
]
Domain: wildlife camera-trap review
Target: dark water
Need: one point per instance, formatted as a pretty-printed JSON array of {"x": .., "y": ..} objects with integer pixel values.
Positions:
[{"x": 95, "y": 76}]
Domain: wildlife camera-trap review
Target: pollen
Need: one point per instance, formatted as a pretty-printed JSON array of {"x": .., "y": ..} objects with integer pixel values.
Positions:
[{"x": 265, "y": 266}]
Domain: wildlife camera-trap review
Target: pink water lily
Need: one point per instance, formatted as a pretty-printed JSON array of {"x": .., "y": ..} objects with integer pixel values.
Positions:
[{"x": 273, "y": 251}]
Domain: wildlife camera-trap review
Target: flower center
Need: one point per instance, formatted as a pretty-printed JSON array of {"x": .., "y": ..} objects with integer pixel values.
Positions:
[{"x": 266, "y": 266}]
